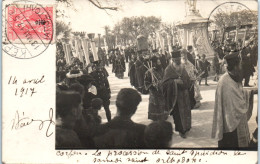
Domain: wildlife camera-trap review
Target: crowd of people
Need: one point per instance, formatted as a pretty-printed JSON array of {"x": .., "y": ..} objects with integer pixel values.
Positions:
[{"x": 172, "y": 80}]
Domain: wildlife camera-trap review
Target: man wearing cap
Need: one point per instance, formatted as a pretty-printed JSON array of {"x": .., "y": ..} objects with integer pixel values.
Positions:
[
  {"x": 176, "y": 83},
  {"x": 233, "y": 107},
  {"x": 100, "y": 75}
]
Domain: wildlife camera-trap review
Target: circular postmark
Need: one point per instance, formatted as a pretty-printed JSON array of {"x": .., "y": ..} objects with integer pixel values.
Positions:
[
  {"x": 28, "y": 29},
  {"x": 232, "y": 23}
]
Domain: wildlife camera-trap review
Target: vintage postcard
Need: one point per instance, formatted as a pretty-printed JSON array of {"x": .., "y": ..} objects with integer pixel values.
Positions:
[{"x": 130, "y": 81}]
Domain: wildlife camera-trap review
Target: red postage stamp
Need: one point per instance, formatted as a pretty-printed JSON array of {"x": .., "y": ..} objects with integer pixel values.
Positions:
[{"x": 30, "y": 24}]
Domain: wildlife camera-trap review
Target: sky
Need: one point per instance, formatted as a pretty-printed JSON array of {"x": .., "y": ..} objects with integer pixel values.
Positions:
[{"x": 90, "y": 19}]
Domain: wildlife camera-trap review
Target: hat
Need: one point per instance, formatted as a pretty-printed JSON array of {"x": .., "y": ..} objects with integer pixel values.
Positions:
[
  {"x": 86, "y": 79},
  {"x": 232, "y": 44},
  {"x": 74, "y": 74},
  {"x": 139, "y": 51},
  {"x": 154, "y": 59},
  {"x": 183, "y": 51},
  {"x": 155, "y": 50},
  {"x": 189, "y": 47},
  {"x": 231, "y": 55},
  {"x": 176, "y": 54},
  {"x": 229, "y": 39}
]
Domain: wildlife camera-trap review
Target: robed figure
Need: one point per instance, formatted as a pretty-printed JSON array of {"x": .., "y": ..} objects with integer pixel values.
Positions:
[
  {"x": 140, "y": 69},
  {"x": 176, "y": 82},
  {"x": 233, "y": 107},
  {"x": 132, "y": 72},
  {"x": 119, "y": 66},
  {"x": 153, "y": 83}
]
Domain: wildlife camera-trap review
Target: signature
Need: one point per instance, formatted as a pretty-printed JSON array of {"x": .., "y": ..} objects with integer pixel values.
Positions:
[{"x": 21, "y": 121}]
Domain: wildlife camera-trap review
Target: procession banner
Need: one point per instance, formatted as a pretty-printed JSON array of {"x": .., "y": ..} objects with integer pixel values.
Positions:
[
  {"x": 69, "y": 53},
  {"x": 169, "y": 43},
  {"x": 85, "y": 46},
  {"x": 106, "y": 47},
  {"x": 161, "y": 42},
  {"x": 65, "y": 52},
  {"x": 79, "y": 50},
  {"x": 94, "y": 50}
]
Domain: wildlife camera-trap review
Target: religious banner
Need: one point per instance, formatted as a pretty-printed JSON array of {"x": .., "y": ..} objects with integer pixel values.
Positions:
[
  {"x": 78, "y": 50},
  {"x": 65, "y": 52},
  {"x": 161, "y": 42},
  {"x": 69, "y": 53},
  {"x": 106, "y": 47},
  {"x": 169, "y": 43},
  {"x": 94, "y": 51},
  {"x": 85, "y": 46}
]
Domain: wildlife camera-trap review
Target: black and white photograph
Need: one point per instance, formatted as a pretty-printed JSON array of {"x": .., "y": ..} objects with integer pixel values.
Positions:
[{"x": 156, "y": 74}]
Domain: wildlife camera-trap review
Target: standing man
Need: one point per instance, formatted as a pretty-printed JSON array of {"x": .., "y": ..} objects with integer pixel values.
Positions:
[
  {"x": 247, "y": 65},
  {"x": 191, "y": 55},
  {"x": 233, "y": 107},
  {"x": 100, "y": 75},
  {"x": 176, "y": 83},
  {"x": 204, "y": 67}
]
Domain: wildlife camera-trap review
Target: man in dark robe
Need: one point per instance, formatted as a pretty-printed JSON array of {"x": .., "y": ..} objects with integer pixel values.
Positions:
[
  {"x": 153, "y": 83},
  {"x": 140, "y": 70},
  {"x": 132, "y": 73},
  {"x": 121, "y": 132},
  {"x": 175, "y": 84},
  {"x": 119, "y": 66},
  {"x": 163, "y": 59}
]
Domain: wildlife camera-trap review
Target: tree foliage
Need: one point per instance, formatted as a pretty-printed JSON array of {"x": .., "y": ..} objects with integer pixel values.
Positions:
[
  {"x": 235, "y": 19},
  {"x": 130, "y": 27},
  {"x": 62, "y": 30}
]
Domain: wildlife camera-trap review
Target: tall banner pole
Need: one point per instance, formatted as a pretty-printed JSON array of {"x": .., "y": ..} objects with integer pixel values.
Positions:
[
  {"x": 69, "y": 52},
  {"x": 85, "y": 45},
  {"x": 94, "y": 50}
]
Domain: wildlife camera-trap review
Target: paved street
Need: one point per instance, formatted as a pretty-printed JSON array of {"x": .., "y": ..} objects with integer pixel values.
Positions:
[{"x": 200, "y": 134}]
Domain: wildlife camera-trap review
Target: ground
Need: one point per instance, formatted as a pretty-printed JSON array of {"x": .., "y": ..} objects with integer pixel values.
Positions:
[{"x": 202, "y": 118}]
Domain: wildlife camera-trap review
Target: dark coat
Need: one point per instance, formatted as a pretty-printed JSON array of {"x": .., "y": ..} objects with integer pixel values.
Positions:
[
  {"x": 101, "y": 83},
  {"x": 120, "y": 132},
  {"x": 191, "y": 58}
]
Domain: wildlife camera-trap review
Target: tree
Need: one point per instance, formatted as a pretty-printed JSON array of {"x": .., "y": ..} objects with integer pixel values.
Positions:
[
  {"x": 130, "y": 28},
  {"x": 62, "y": 30},
  {"x": 243, "y": 17}
]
